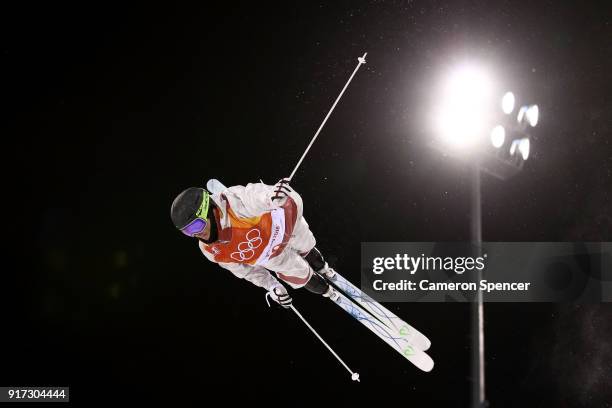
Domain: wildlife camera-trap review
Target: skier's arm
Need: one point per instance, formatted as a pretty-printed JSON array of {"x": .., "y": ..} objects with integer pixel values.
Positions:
[{"x": 256, "y": 198}]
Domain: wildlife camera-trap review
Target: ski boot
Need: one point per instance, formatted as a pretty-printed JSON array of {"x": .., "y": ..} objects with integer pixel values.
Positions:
[
  {"x": 318, "y": 264},
  {"x": 317, "y": 284},
  {"x": 331, "y": 293},
  {"x": 328, "y": 272}
]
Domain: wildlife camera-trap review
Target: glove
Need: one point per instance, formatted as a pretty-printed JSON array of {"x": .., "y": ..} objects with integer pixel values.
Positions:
[
  {"x": 282, "y": 189},
  {"x": 279, "y": 295}
]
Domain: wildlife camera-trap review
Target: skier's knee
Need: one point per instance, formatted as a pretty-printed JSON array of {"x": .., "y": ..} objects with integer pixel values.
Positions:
[
  {"x": 315, "y": 259},
  {"x": 317, "y": 284}
]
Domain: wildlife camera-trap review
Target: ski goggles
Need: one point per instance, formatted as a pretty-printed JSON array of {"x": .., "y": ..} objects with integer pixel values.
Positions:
[{"x": 196, "y": 226}]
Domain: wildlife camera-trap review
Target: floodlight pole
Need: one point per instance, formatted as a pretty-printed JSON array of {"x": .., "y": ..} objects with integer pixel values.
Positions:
[{"x": 478, "y": 370}]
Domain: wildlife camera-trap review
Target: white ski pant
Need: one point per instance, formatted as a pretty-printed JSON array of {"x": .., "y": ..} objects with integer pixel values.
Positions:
[{"x": 289, "y": 265}]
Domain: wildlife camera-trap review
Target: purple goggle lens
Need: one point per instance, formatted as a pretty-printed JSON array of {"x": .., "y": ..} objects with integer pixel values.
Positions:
[{"x": 194, "y": 227}]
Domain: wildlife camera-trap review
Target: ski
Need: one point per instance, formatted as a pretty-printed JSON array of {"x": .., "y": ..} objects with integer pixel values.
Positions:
[
  {"x": 399, "y": 343},
  {"x": 402, "y": 329}
]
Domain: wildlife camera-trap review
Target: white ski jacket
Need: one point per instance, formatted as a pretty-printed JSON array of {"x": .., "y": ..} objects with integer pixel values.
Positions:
[{"x": 248, "y": 203}]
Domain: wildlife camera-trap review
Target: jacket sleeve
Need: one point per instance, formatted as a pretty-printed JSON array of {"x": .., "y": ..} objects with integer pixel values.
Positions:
[
  {"x": 257, "y": 275},
  {"x": 255, "y": 199}
]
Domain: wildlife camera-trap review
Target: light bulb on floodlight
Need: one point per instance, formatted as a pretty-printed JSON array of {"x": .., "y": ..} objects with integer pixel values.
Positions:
[
  {"x": 530, "y": 114},
  {"x": 522, "y": 145},
  {"x": 464, "y": 106},
  {"x": 498, "y": 135},
  {"x": 508, "y": 103},
  {"x": 523, "y": 148},
  {"x": 514, "y": 146},
  {"x": 533, "y": 114},
  {"x": 521, "y": 114}
]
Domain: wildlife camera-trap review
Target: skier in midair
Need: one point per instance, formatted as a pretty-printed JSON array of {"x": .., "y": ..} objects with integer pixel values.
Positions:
[
  {"x": 258, "y": 229},
  {"x": 253, "y": 230}
]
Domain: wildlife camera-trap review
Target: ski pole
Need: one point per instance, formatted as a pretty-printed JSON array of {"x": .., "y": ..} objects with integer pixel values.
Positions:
[
  {"x": 354, "y": 376},
  {"x": 361, "y": 61}
]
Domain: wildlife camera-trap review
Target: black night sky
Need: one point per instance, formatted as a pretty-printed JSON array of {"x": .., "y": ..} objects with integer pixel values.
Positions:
[{"x": 112, "y": 111}]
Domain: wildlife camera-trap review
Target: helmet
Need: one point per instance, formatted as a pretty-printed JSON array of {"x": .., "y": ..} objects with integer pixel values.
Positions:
[{"x": 191, "y": 204}]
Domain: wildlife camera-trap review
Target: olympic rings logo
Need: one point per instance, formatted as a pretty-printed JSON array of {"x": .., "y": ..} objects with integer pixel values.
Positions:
[{"x": 246, "y": 249}]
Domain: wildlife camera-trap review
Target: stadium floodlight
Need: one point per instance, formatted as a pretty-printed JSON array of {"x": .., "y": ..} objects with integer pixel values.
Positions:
[
  {"x": 508, "y": 101},
  {"x": 466, "y": 110}
]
